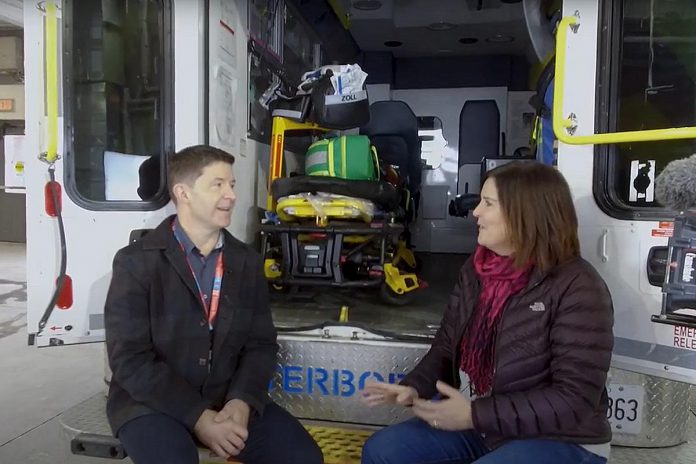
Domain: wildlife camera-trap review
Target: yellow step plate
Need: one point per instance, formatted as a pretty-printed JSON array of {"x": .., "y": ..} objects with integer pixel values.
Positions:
[{"x": 340, "y": 446}]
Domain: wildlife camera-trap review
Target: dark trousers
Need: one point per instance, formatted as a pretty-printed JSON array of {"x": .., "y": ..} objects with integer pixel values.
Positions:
[{"x": 276, "y": 437}]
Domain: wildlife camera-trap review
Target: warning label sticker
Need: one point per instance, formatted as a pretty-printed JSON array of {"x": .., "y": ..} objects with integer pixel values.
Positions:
[
  {"x": 665, "y": 229},
  {"x": 662, "y": 232}
]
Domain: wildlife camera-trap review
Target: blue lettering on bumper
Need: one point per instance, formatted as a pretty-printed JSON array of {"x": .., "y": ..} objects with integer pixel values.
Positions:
[{"x": 325, "y": 382}]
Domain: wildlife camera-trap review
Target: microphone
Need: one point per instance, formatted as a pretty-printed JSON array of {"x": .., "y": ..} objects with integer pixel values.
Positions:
[{"x": 675, "y": 187}]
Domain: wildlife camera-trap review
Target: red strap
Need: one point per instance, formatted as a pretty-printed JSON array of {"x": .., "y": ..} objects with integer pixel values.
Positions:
[{"x": 212, "y": 310}]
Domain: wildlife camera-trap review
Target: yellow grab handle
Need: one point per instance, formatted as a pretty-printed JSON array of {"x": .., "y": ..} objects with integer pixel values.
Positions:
[
  {"x": 51, "y": 81},
  {"x": 564, "y": 128}
]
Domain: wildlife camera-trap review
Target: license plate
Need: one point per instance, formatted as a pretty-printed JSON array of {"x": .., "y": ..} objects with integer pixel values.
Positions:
[{"x": 625, "y": 412}]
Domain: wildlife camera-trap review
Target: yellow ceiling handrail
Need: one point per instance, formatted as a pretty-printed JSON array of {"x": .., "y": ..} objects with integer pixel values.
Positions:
[
  {"x": 343, "y": 16},
  {"x": 565, "y": 128}
]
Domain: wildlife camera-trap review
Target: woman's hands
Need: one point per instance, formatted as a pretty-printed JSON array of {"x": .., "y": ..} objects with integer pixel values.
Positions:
[
  {"x": 376, "y": 393},
  {"x": 452, "y": 412}
]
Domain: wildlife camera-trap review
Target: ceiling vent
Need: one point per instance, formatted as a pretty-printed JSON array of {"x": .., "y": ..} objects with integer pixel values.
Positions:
[{"x": 367, "y": 5}]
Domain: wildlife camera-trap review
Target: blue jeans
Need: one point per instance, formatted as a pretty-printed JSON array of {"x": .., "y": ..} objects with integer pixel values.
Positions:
[{"x": 415, "y": 442}]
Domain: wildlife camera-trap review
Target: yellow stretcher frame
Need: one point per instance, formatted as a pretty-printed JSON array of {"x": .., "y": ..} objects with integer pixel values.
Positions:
[
  {"x": 281, "y": 125},
  {"x": 564, "y": 128},
  {"x": 395, "y": 280},
  {"x": 339, "y": 208}
]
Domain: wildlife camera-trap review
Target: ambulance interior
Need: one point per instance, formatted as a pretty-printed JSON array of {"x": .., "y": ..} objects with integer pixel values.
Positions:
[{"x": 463, "y": 70}]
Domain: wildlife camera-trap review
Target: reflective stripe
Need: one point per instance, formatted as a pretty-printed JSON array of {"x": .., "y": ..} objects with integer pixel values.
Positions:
[{"x": 344, "y": 155}]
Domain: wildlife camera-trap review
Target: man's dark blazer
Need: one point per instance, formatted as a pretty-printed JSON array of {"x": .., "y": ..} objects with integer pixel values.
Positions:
[{"x": 157, "y": 335}]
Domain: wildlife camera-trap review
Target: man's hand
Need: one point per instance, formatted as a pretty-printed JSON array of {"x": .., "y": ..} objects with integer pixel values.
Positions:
[
  {"x": 224, "y": 439},
  {"x": 235, "y": 410},
  {"x": 453, "y": 412},
  {"x": 376, "y": 393}
]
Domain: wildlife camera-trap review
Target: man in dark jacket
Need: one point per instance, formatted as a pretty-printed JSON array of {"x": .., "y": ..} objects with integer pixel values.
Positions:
[{"x": 189, "y": 334}]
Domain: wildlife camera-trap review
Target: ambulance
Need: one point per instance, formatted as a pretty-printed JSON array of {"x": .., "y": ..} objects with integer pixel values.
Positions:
[{"x": 603, "y": 90}]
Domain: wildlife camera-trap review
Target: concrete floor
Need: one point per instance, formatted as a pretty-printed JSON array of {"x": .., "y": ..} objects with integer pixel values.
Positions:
[{"x": 37, "y": 385}]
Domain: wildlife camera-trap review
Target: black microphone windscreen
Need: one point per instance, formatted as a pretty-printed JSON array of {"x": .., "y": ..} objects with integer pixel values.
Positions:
[{"x": 675, "y": 187}]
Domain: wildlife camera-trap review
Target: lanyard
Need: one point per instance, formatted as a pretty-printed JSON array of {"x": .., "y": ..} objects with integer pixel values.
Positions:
[{"x": 212, "y": 310}]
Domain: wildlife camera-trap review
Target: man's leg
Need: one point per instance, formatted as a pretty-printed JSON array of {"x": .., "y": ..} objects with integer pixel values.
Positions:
[
  {"x": 540, "y": 452},
  {"x": 277, "y": 437},
  {"x": 158, "y": 438},
  {"x": 415, "y": 442}
]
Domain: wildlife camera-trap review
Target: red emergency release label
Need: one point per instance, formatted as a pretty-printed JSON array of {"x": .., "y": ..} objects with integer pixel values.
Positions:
[{"x": 685, "y": 337}]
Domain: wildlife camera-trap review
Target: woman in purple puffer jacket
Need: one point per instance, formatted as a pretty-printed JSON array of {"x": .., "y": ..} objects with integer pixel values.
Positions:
[{"x": 517, "y": 371}]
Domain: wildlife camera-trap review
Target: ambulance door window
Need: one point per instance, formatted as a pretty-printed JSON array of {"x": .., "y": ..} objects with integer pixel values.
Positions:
[
  {"x": 651, "y": 68},
  {"x": 118, "y": 102}
]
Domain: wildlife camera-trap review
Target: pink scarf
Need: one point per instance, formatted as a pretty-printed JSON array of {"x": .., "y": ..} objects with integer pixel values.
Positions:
[{"x": 499, "y": 281}]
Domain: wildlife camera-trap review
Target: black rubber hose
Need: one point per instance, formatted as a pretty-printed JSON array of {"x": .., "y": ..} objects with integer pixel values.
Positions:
[{"x": 60, "y": 281}]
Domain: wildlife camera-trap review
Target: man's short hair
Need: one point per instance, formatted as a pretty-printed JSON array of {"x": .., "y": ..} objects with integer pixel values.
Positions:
[{"x": 187, "y": 165}]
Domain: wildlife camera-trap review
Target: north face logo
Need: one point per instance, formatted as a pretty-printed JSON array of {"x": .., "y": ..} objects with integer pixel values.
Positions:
[{"x": 537, "y": 307}]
